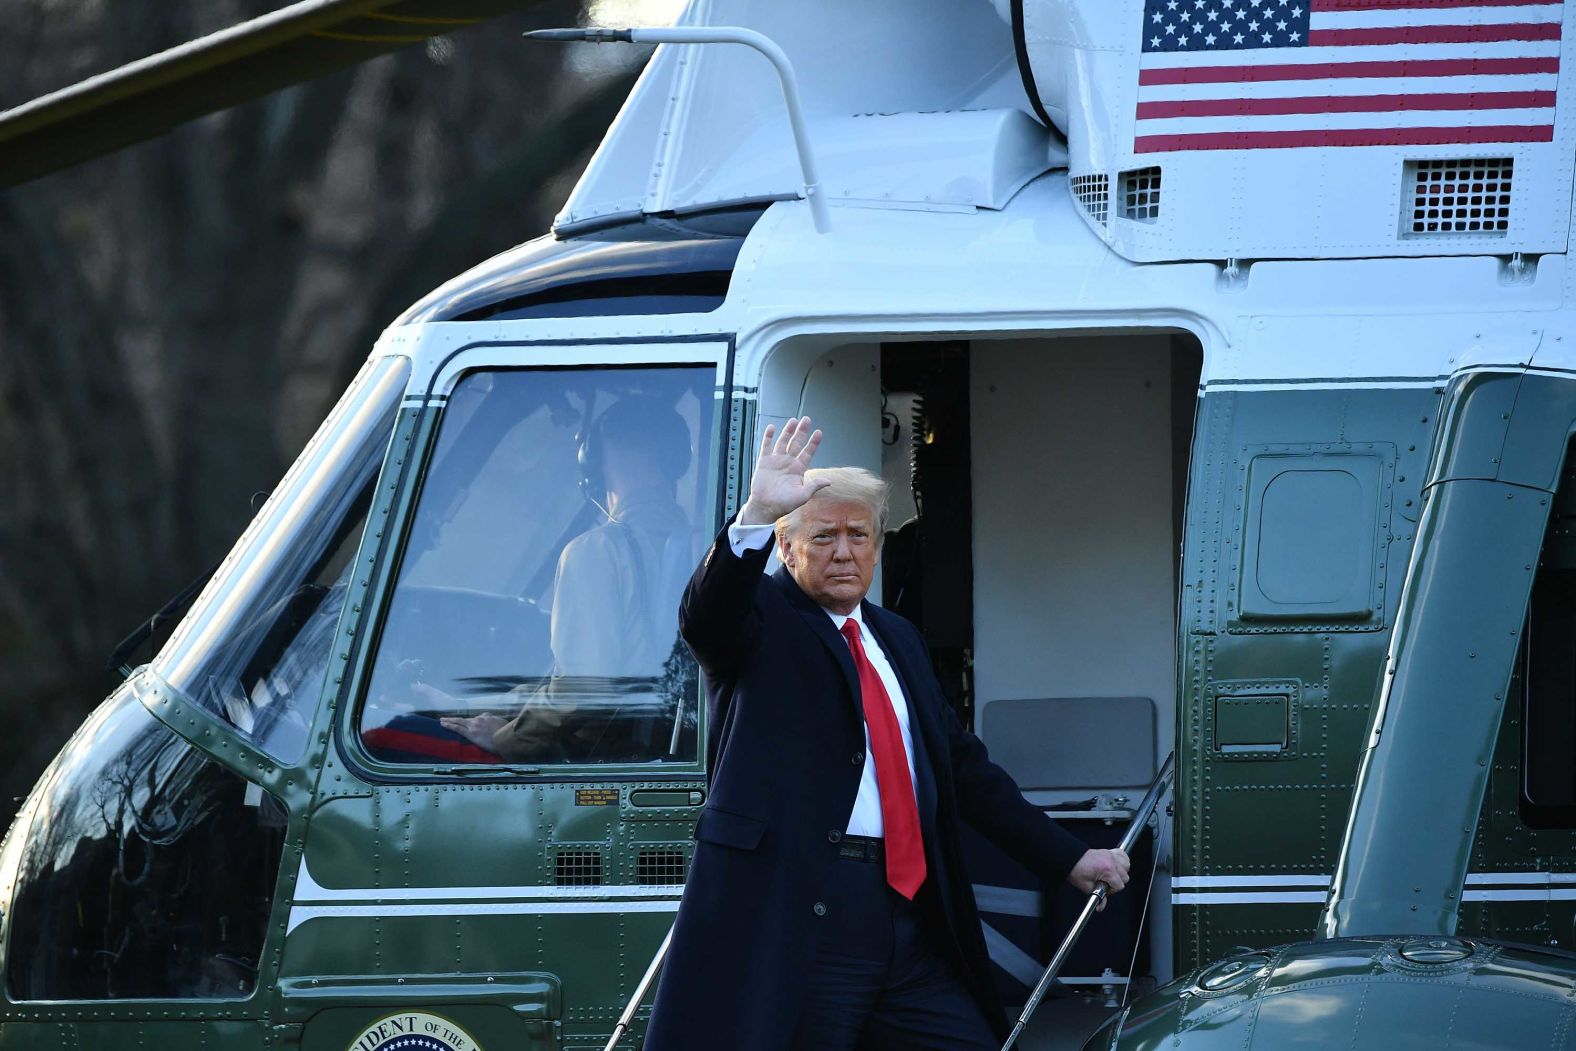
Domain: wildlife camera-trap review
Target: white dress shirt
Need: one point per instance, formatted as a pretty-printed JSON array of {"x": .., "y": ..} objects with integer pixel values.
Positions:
[{"x": 865, "y": 820}]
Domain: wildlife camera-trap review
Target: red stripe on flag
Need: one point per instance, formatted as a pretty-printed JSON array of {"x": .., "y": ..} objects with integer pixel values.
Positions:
[
  {"x": 1465, "y": 100},
  {"x": 1252, "y": 140},
  {"x": 1435, "y": 34},
  {"x": 1371, "y": 5},
  {"x": 1432, "y": 67}
]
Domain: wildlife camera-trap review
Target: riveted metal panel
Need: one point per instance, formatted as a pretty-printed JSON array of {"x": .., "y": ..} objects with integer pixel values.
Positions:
[
  {"x": 1473, "y": 440},
  {"x": 1267, "y": 887},
  {"x": 741, "y": 453},
  {"x": 1253, "y": 720},
  {"x": 1313, "y": 538}
]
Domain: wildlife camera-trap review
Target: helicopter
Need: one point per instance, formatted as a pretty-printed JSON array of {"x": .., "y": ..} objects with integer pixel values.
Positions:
[{"x": 1278, "y": 290}]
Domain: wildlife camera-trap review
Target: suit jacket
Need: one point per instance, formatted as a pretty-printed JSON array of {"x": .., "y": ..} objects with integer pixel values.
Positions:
[{"x": 785, "y": 754}]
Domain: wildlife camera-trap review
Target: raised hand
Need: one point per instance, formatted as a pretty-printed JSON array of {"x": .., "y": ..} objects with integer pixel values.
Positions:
[{"x": 778, "y": 486}]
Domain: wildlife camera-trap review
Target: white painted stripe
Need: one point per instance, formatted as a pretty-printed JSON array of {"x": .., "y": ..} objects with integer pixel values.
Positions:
[
  {"x": 1518, "y": 879},
  {"x": 1004, "y": 954},
  {"x": 1310, "y": 898},
  {"x": 1350, "y": 87},
  {"x": 308, "y": 889},
  {"x": 1480, "y": 887},
  {"x": 1281, "y": 56},
  {"x": 1249, "y": 898},
  {"x": 1214, "y": 386},
  {"x": 1550, "y": 894},
  {"x": 523, "y": 893},
  {"x": 300, "y": 914},
  {"x": 1248, "y": 384},
  {"x": 1417, "y": 118},
  {"x": 1438, "y": 16},
  {"x": 1289, "y": 879},
  {"x": 1276, "y": 880}
]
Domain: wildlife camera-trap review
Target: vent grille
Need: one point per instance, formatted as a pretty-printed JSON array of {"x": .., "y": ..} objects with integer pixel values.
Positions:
[
  {"x": 1140, "y": 199},
  {"x": 1461, "y": 197},
  {"x": 577, "y": 868},
  {"x": 660, "y": 868},
  {"x": 1093, "y": 193}
]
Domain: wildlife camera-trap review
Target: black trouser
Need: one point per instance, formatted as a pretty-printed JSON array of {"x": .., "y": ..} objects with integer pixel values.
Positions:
[{"x": 878, "y": 981}]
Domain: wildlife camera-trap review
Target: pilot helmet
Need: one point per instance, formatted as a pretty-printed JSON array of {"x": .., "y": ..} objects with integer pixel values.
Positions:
[{"x": 635, "y": 420}]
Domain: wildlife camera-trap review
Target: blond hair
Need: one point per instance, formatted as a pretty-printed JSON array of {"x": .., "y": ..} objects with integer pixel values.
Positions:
[{"x": 846, "y": 483}]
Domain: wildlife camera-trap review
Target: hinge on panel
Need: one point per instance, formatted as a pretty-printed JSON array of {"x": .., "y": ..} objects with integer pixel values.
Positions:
[
  {"x": 1233, "y": 276},
  {"x": 1517, "y": 270}
]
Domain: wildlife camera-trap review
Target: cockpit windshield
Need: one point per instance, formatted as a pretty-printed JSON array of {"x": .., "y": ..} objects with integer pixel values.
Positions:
[
  {"x": 147, "y": 870},
  {"x": 255, "y": 647}
]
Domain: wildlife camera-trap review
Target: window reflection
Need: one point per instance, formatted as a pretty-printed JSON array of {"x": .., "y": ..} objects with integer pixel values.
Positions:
[
  {"x": 255, "y": 649},
  {"x": 535, "y": 617},
  {"x": 147, "y": 872}
]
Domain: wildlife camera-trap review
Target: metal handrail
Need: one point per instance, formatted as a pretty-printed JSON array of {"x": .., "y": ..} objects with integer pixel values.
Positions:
[
  {"x": 1096, "y": 899},
  {"x": 1141, "y": 816},
  {"x": 762, "y": 43}
]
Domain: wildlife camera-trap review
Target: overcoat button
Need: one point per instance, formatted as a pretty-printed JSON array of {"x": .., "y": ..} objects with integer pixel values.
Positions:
[
  {"x": 859, "y": 758},
  {"x": 833, "y": 836},
  {"x": 820, "y": 908}
]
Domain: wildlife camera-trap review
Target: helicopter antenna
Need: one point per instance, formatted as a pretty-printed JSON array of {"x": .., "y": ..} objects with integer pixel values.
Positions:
[{"x": 722, "y": 35}]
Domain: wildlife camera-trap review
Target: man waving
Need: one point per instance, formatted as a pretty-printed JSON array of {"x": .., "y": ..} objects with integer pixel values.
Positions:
[{"x": 827, "y": 905}]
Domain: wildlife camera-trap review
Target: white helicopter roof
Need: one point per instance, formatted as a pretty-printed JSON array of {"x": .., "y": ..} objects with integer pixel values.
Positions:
[
  {"x": 927, "y": 111},
  {"x": 1358, "y": 128}
]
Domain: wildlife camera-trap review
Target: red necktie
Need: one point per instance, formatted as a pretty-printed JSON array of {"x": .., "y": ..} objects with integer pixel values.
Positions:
[{"x": 905, "y": 847}]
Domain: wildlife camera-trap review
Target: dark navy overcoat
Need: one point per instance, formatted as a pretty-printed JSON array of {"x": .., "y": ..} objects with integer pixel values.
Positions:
[{"x": 785, "y": 755}]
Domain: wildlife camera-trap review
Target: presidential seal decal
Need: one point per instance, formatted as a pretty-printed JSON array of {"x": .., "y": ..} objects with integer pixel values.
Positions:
[{"x": 413, "y": 1031}]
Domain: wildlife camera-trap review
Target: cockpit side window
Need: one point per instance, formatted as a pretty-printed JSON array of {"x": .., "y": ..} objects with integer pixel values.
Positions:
[
  {"x": 255, "y": 649},
  {"x": 534, "y": 617},
  {"x": 147, "y": 872}
]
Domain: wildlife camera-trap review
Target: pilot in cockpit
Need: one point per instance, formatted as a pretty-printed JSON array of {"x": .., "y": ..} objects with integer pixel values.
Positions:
[{"x": 614, "y": 622}]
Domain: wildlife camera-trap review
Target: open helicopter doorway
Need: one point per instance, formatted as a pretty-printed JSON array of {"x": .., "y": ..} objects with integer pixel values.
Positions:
[{"x": 1038, "y": 487}]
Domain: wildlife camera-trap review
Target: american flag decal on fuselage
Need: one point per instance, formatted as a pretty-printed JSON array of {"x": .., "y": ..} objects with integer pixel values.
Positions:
[{"x": 1255, "y": 74}]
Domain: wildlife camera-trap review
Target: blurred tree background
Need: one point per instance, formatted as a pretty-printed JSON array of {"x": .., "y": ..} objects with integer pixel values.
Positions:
[{"x": 177, "y": 317}]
